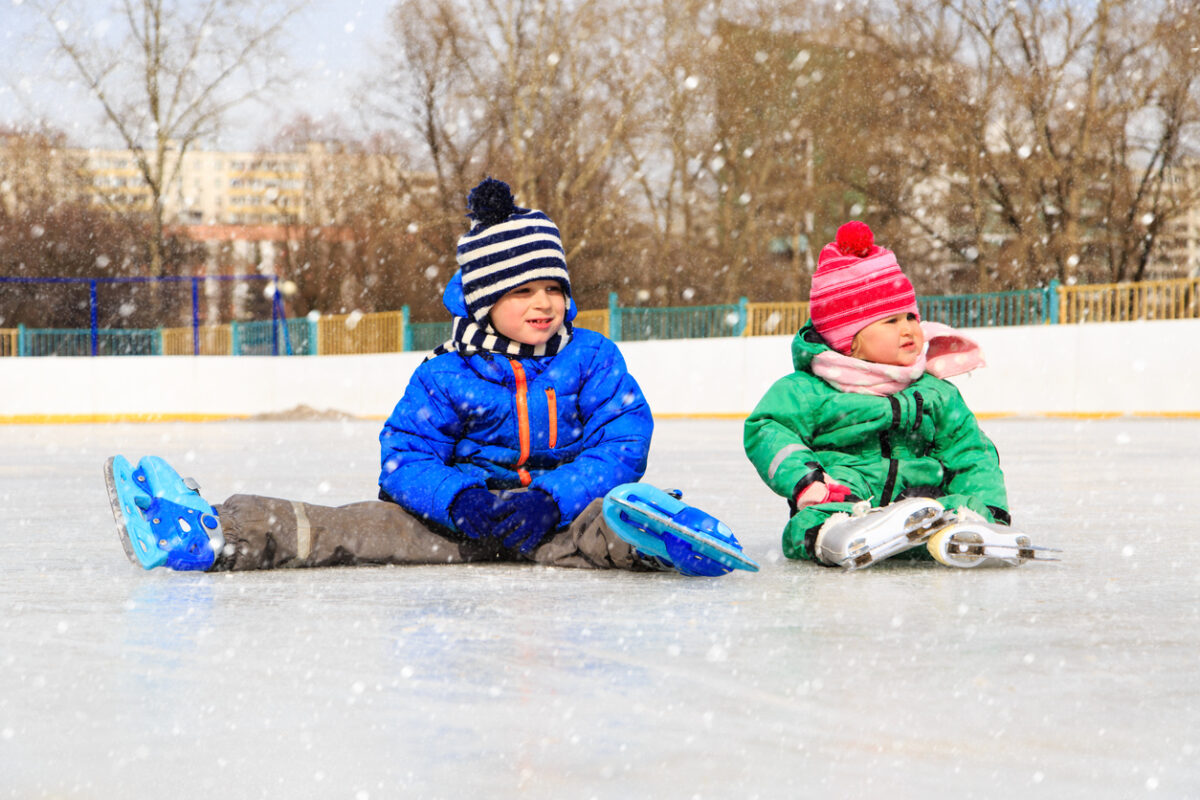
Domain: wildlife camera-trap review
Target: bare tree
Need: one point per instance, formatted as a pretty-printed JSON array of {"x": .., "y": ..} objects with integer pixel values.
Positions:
[
  {"x": 165, "y": 74},
  {"x": 1049, "y": 128},
  {"x": 355, "y": 247},
  {"x": 541, "y": 94}
]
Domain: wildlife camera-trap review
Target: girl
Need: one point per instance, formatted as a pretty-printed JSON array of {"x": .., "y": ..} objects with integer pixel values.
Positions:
[{"x": 874, "y": 450}]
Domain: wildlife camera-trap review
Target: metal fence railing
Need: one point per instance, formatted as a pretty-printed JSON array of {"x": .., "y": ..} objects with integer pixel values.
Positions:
[
  {"x": 594, "y": 320},
  {"x": 79, "y": 342},
  {"x": 775, "y": 319},
  {"x": 343, "y": 334},
  {"x": 642, "y": 323},
  {"x": 10, "y": 339},
  {"x": 215, "y": 340},
  {"x": 1028, "y": 307},
  {"x": 393, "y": 331},
  {"x": 427, "y": 335},
  {"x": 1125, "y": 302}
]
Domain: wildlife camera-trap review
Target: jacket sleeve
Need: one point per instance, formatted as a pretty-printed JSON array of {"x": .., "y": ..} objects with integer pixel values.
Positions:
[
  {"x": 777, "y": 433},
  {"x": 416, "y": 448},
  {"x": 970, "y": 460},
  {"x": 616, "y": 436}
]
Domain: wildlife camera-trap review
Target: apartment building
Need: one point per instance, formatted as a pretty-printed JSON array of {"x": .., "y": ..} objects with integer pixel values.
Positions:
[
  {"x": 1178, "y": 255},
  {"x": 220, "y": 187}
]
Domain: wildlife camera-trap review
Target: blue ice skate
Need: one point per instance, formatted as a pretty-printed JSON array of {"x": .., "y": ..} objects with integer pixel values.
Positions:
[
  {"x": 662, "y": 527},
  {"x": 162, "y": 519}
]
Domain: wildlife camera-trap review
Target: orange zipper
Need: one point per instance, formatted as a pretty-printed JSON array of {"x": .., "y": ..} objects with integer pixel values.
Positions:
[
  {"x": 522, "y": 421},
  {"x": 552, "y": 405}
]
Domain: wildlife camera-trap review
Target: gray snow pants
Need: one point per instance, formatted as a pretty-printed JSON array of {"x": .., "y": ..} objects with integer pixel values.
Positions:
[{"x": 270, "y": 533}]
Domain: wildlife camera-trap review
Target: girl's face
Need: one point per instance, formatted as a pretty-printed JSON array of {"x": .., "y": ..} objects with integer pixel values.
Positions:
[
  {"x": 531, "y": 313},
  {"x": 896, "y": 340}
]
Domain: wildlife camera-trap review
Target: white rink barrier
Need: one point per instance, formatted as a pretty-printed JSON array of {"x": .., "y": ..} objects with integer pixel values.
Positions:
[{"x": 1136, "y": 368}]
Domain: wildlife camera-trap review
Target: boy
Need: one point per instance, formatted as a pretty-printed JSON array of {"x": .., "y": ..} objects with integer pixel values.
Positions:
[{"x": 519, "y": 439}]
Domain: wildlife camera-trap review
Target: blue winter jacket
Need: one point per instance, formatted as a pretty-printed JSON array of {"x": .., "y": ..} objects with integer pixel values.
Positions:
[{"x": 574, "y": 425}]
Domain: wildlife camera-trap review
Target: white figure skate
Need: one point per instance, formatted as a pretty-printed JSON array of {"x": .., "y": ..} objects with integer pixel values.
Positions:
[
  {"x": 870, "y": 535},
  {"x": 969, "y": 543}
]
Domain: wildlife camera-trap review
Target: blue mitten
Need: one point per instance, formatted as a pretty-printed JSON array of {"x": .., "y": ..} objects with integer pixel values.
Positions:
[
  {"x": 475, "y": 512},
  {"x": 526, "y": 518}
]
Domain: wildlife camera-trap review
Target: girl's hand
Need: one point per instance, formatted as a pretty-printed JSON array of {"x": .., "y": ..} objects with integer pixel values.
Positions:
[{"x": 823, "y": 491}]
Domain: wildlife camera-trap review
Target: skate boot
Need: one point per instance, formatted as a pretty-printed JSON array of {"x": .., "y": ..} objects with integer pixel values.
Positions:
[
  {"x": 969, "y": 543},
  {"x": 161, "y": 517},
  {"x": 870, "y": 535},
  {"x": 667, "y": 531}
]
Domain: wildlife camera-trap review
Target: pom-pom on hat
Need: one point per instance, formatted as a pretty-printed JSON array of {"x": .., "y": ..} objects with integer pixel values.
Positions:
[
  {"x": 856, "y": 283},
  {"x": 506, "y": 247}
]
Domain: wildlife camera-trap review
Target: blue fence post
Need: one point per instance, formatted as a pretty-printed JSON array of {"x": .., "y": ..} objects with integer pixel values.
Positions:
[
  {"x": 405, "y": 330},
  {"x": 614, "y": 318},
  {"x": 235, "y": 334},
  {"x": 275, "y": 315},
  {"x": 95, "y": 318},
  {"x": 314, "y": 329},
  {"x": 21, "y": 346},
  {"x": 743, "y": 316},
  {"x": 1052, "y": 300},
  {"x": 195, "y": 316}
]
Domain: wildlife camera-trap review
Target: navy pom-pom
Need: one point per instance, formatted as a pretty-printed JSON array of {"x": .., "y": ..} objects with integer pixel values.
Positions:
[{"x": 490, "y": 202}]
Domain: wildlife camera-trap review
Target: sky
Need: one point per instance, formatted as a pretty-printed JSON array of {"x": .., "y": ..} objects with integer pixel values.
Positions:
[{"x": 332, "y": 43}]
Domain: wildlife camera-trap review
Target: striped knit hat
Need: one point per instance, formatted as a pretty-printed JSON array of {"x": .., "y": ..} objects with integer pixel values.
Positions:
[
  {"x": 856, "y": 283},
  {"x": 506, "y": 247}
]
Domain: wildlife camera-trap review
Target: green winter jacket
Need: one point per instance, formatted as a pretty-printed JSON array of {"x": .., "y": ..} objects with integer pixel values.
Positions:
[{"x": 923, "y": 440}]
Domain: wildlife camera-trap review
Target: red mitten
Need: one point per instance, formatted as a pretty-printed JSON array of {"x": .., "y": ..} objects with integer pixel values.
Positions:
[{"x": 823, "y": 491}]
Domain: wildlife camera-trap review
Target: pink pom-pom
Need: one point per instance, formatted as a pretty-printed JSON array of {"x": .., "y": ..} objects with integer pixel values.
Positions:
[{"x": 855, "y": 239}]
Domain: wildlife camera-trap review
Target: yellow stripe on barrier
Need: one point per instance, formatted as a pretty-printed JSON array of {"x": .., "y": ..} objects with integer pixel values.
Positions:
[{"x": 94, "y": 419}]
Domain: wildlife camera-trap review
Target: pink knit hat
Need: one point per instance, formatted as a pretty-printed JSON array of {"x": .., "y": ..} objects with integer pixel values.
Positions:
[{"x": 856, "y": 283}]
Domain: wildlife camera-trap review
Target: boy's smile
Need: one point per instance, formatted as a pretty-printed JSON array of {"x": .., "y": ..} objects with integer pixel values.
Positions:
[{"x": 531, "y": 313}]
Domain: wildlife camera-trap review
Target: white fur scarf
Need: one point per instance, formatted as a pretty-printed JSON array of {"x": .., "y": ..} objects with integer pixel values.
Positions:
[{"x": 947, "y": 353}]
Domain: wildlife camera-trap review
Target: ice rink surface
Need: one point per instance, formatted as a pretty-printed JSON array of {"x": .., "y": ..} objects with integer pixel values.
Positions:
[{"x": 907, "y": 680}]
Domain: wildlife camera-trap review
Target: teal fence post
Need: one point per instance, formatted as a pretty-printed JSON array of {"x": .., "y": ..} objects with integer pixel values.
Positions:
[
  {"x": 614, "y": 318},
  {"x": 21, "y": 340},
  {"x": 314, "y": 327},
  {"x": 157, "y": 348},
  {"x": 235, "y": 334},
  {"x": 1052, "y": 300},
  {"x": 743, "y": 316},
  {"x": 406, "y": 331}
]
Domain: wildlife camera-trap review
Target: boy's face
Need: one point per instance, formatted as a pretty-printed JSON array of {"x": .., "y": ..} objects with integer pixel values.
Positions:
[
  {"x": 531, "y": 313},
  {"x": 896, "y": 340}
]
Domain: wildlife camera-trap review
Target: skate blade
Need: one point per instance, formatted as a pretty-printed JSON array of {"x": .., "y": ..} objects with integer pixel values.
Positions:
[
  {"x": 709, "y": 546},
  {"x": 138, "y": 543},
  {"x": 114, "y": 500},
  {"x": 1006, "y": 552},
  {"x": 918, "y": 528}
]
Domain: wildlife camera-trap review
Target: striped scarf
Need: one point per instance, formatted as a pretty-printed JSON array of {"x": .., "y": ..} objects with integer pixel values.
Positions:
[{"x": 468, "y": 337}]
